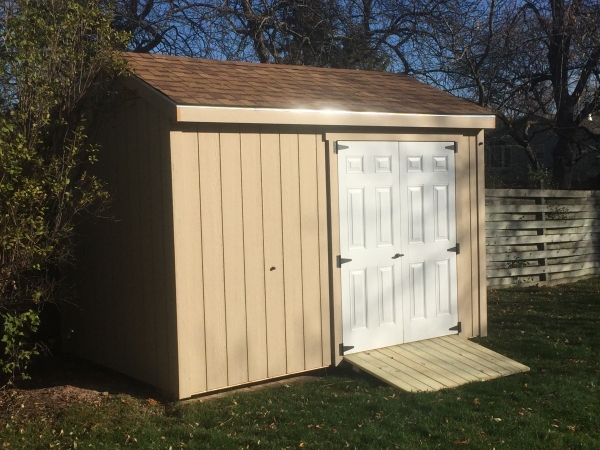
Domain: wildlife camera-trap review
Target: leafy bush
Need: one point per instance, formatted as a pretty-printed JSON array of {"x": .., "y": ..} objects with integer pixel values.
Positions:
[{"x": 58, "y": 58}]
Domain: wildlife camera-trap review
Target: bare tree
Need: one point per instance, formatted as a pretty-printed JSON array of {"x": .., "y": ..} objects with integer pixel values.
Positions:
[{"x": 534, "y": 63}]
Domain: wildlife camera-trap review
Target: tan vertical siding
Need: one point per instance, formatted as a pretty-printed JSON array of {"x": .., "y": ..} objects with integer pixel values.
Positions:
[
  {"x": 335, "y": 272},
  {"x": 322, "y": 206},
  {"x": 158, "y": 259},
  {"x": 474, "y": 238},
  {"x": 309, "y": 223},
  {"x": 290, "y": 210},
  {"x": 212, "y": 262},
  {"x": 167, "y": 311},
  {"x": 144, "y": 224},
  {"x": 188, "y": 262},
  {"x": 125, "y": 309},
  {"x": 256, "y": 327},
  {"x": 233, "y": 254},
  {"x": 463, "y": 236},
  {"x": 273, "y": 248},
  {"x": 263, "y": 222}
]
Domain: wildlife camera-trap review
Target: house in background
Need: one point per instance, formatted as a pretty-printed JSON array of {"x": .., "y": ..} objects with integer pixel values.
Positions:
[
  {"x": 271, "y": 219},
  {"x": 507, "y": 165}
]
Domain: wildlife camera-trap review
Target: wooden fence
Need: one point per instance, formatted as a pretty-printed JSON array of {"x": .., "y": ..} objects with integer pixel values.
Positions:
[{"x": 541, "y": 237}]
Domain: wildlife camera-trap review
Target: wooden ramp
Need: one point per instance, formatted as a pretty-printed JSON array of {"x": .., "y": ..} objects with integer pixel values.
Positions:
[{"x": 434, "y": 364}]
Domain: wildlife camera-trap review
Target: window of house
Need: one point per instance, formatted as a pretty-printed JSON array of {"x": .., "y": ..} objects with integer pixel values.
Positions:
[{"x": 500, "y": 157}]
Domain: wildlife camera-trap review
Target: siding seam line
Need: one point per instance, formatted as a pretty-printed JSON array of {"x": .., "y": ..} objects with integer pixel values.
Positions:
[
  {"x": 197, "y": 133},
  {"x": 301, "y": 252},
  {"x": 262, "y": 206},
  {"x": 219, "y": 133},
  {"x": 244, "y": 253},
  {"x": 282, "y": 254},
  {"x": 316, "y": 151}
]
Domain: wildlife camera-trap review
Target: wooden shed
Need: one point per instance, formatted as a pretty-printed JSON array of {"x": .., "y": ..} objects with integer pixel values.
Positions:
[{"x": 269, "y": 219}]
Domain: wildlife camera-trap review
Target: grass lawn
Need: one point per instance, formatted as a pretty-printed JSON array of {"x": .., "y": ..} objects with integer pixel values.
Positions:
[{"x": 555, "y": 331}]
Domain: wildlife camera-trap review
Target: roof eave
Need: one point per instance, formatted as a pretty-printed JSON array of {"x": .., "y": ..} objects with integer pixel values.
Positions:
[{"x": 220, "y": 114}]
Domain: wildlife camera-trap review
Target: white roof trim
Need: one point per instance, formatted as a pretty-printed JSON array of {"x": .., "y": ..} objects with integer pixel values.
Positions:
[{"x": 220, "y": 114}]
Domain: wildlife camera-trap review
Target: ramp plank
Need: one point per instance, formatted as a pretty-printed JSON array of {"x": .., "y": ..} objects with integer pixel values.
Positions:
[{"x": 434, "y": 364}]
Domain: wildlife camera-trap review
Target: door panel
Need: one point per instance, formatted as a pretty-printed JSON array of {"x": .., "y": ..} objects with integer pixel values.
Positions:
[
  {"x": 384, "y": 216},
  {"x": 431, "y": 229},
  {"x": 370, "y": 237},
  {"x": 440, "y": 213},
  {"x": 417, "y": 290},
  {"x": 356, "y": 218},
  {"x": 386, "y": 294},
  {"x": 442, "y": 286},
  {"x": 415, "y": 214},
  {"x": 358, "y": 298}
]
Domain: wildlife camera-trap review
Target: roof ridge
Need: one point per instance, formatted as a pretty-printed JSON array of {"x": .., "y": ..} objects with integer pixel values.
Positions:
[{"x": 193, "y": 60}]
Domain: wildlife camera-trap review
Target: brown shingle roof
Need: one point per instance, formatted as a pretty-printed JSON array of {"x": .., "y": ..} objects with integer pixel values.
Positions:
[{"x": 189, "y": 81}]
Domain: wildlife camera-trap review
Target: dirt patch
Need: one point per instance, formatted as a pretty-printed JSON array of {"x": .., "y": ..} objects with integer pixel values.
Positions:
[
  {"x": 20, "y": 406},
  {"x": 60, "y": 381}
]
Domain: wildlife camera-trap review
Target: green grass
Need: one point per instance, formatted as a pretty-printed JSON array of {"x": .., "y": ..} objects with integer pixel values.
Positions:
[{"x": 555, "y": 331}]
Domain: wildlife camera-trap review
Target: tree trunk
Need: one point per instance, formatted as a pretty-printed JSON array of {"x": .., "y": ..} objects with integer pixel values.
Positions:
[{"x": 563, "y": 162}]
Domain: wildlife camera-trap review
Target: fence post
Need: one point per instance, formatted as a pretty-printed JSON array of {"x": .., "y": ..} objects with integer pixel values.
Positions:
[{"x": 542, "y": 231}]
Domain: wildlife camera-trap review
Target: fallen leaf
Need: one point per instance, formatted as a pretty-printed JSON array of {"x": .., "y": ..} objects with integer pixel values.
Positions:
[
  {"x": 571, "y": 427},
  {"x": 497, "y": 419},
  {"x": 476, "y": 401},
  {"x": 151, "y": 401}
]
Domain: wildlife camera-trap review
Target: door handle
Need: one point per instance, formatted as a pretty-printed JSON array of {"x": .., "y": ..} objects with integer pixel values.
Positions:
[{"x": 397, "y": 255}]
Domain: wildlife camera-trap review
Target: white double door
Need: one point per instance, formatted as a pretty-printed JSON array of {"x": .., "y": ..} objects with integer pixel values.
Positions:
[{"x": 397, "y": 226}]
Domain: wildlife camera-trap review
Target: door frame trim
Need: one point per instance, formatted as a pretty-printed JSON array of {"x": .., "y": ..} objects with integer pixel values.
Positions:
[{"x": 468, "y": 298}]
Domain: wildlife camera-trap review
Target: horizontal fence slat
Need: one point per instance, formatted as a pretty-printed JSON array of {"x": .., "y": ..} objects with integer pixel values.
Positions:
[
  {"x": 573, "y": 230},
  {"x": 510, "y": 233},
  {"x": 492, "y": 250},
  {"x": 498, "y": 209},
  {"x": 540, "y": 239},
  {"x": 511, "y": 282},
  {"x": 595, "y": 242},
  {"x": 541, "y": 193},
  {"x": 540, "y": 269},
  {"x": 550, "y": 217},
  {"x": 519, "y": 256},
  {"x": 575, "y": 258},
  {"x": 542, "y": 224},
  {"x": 574, "y": 274}
]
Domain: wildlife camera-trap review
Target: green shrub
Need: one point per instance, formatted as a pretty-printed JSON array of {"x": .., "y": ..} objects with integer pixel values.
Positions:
[{"x": 58, "y": 58}]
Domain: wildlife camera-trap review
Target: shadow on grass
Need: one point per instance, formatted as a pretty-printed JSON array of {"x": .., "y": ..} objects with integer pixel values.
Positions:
[{"x": 67, "y": 370}]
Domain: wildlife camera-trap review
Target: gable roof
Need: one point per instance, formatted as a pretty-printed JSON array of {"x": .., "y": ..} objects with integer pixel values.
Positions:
[{"x": 227, "y": 84}]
